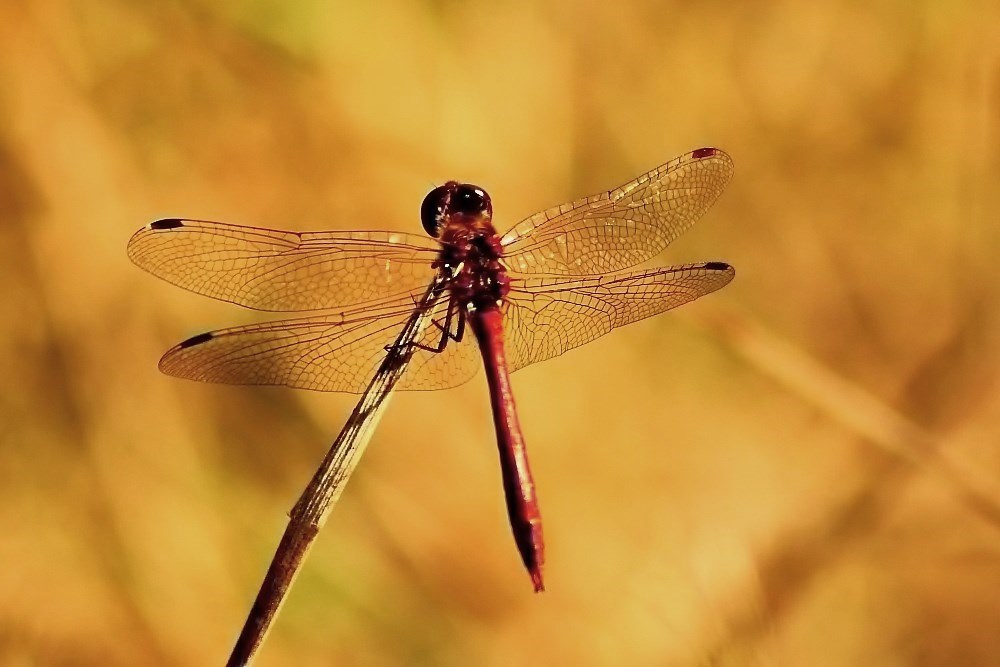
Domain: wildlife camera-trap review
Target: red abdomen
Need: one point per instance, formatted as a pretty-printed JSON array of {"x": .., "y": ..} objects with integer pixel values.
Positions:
[{"x": 519, "y": 488}]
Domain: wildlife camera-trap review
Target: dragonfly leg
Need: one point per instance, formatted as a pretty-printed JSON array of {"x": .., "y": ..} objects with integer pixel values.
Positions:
[
  {"x": 445, "y": 330},
  {"x": 446, "y": 327},
  {"x": 460, "y": 334}
]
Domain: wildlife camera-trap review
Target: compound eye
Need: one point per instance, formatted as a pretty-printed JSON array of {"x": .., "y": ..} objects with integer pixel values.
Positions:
[
  {"x": 471, "y": 200},
  {"x": 432, "y": 211}
]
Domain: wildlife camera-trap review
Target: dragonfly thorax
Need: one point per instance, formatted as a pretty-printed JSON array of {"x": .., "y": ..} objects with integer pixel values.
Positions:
[{"x": 472, "y": 253}]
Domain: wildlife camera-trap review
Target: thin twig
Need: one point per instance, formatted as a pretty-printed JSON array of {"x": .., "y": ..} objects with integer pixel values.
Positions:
[{"x": 313, "y": 508}]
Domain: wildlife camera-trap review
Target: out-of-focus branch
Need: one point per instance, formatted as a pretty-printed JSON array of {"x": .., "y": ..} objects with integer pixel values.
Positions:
[{"x": 843, "y": 401}]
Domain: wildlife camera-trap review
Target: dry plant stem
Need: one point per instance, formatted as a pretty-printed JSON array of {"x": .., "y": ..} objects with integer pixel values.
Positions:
[
  {"x": 312, "y": 509},
  {"x": 848, "y": 404}
]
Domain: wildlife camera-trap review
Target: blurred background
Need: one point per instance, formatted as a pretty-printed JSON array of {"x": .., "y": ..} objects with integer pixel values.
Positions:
[{"x": 801, "y": 469}]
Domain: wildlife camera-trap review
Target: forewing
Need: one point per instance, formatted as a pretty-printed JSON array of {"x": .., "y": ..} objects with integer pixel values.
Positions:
[
  {"x": 267, "y": 269},
  {"x": 621, "y": 228},
  {"x": 545, "y": 317},
  {"x": 325, "y": 353}
]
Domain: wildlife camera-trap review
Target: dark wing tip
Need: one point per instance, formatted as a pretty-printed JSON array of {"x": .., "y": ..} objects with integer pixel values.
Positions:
[
  {"x": 702, "y": 153},
  {"x": 718, "y": 266},
  {"x": 195, "y": 340},
  {"x": 166, "y": 223}
]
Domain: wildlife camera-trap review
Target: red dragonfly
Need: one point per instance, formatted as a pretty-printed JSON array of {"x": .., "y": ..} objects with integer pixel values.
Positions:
[{"x": 553, "y": 282}]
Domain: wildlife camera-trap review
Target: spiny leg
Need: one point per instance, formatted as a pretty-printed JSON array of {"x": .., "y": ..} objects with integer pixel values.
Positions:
[{"x": 444, "y": 329}]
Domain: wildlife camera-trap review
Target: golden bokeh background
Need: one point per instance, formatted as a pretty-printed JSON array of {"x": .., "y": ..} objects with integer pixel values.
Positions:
[{"x": 803, "y": 469}]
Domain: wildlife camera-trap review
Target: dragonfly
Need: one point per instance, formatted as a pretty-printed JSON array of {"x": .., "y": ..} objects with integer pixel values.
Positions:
[{"x": 443, "y": 305}]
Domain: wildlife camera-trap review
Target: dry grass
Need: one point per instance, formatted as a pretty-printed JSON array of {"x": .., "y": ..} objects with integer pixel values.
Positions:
[{"x": 801, "y": 469}]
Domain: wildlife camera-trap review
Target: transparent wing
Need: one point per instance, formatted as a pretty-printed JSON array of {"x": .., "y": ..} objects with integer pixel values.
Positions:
[
  {"x": 266, "y": 269},
  {"x": 545, "y": 317},
  {"x": 325, "y": 353},
  {"x": 621, "y": 228}
]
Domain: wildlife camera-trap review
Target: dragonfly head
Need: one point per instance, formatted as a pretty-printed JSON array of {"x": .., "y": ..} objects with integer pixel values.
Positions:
[{"x": 463, "y": 203}]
